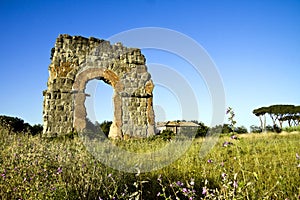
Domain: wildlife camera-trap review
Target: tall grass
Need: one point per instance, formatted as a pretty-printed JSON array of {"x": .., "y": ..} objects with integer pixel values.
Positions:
[{"x": 255, "y": 166}]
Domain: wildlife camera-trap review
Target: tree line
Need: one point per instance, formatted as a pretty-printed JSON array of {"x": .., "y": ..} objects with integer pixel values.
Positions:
[
  {"x": 222, "y": 128},
  {"x": 279, "y": 114},
  {"x": 17, "y": 125}
]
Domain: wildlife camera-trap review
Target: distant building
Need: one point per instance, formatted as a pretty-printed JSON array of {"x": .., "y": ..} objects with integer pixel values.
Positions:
[{"x": 176, "y": 126}]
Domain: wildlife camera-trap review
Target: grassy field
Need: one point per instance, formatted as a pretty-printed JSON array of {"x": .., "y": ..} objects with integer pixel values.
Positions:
[{"x": 255, "y": 166}]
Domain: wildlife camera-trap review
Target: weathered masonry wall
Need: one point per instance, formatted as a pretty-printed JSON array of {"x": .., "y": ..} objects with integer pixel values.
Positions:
[{"x": 74, "y": 61}]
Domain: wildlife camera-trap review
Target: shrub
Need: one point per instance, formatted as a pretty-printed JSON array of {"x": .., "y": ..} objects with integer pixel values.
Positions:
[
  {"x": 277, "y": 129},
  {"x": 241, "y": 129},
  {"x": 105, "y": 126},
  {"x": 291, "y": 129},
  {"x": 96, "y": 128},
  {"x": 255, "y": 129},
  {"x": 36, "y": 129},
  {"x": 269, "y": 128},
  {"x": 202, "y": 130},
  {"x": 167, "y": 134},
  {"x": 226, "y": 128}
]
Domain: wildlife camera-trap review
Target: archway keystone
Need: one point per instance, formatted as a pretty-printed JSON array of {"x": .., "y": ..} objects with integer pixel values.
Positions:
[{"x": 74, "y": 61}]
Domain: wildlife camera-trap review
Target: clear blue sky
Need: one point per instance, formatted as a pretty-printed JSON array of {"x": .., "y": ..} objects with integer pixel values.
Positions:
[{"x": 254, "y": 44}]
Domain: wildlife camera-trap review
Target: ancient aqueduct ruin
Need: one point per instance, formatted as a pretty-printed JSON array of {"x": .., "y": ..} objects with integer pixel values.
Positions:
[{"x": 74, "y": 61}]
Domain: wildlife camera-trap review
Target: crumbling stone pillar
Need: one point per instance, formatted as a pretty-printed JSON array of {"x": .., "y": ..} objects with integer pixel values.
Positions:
[{"x": 75, "y": 60}]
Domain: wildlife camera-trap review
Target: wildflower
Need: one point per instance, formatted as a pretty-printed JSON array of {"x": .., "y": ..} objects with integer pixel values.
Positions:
[
  {"x": 228, "y": 110},
  {"x": 222, "y": 164},
  {"x": 209, "y": 161},
  {"x": 204, "y": 191},
  {"x": 298, "y": 165},
  {"x": 158, "y": 194},
  {"x": 234, "y": 137},
  {"x": 179, "y": 183},
  {"x": 59, "y": 170},
  {"x": 159, "y": 178},
  {"x": 225, "y": 144},
  {"x": 224, "y": 175},
  {"x": 109, "y": 175},
  {"x": 297, "y": 156},
  {"x": 191, "y": 198},
  {"x": 3, "y": 175},
  {"x": 235, "y": 185},
  {"x": 184, "y": 190},
  {"x": 192, "y": 182}
]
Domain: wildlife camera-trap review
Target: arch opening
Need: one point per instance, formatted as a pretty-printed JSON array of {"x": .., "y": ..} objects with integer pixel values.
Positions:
[
  {"x": 99, "y": 105},
  {"x": 81, "y": 121}
]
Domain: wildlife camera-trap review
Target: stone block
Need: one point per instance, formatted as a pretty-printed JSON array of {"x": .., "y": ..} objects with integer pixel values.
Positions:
[{"x": 74, "y": 61}]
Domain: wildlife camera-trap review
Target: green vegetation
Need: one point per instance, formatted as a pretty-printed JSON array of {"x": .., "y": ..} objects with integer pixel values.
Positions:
[
  {"x": 167, "y": 135},
  {"x": 255, "y": 129},
  {"x": 17, "y": 125},
  {"x": 202, "y": 130},
  {"x": 291, "y": 129},
  {"x": 105, "y": 126},
  {"x": 279, "y": 114},
  {"x": 254, "y": 166},
  {"x": 231, "y": 118}
]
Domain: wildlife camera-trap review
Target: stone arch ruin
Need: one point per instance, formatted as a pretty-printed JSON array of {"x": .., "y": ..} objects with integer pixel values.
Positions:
[{"x": 74, "y": 61}]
